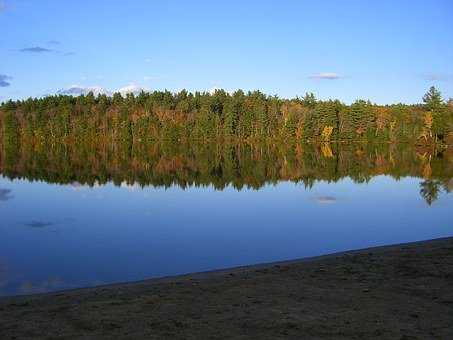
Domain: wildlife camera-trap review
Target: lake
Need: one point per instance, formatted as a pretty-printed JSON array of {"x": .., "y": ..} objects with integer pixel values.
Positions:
[{"x": 71, "y": 219}]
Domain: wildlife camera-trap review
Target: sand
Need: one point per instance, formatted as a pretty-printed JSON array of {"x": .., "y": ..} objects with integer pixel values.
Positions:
[{"x": 393, "y": 292}]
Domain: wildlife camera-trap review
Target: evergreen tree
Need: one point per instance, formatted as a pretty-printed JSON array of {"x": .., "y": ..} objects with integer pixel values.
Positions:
[{"x": 433, "y": 99}]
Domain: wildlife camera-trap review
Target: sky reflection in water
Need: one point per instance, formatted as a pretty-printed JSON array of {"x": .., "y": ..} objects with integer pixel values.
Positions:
[{"x": 66, "y": 236}]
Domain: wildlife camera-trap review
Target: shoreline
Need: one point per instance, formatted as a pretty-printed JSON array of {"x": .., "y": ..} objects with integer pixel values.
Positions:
[
  {"x": 400, "y": 291},
  {"x": 226, "y": 271}
]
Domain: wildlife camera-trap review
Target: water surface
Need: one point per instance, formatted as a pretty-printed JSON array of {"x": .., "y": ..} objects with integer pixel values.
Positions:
[{"x": 57, "y": 235}]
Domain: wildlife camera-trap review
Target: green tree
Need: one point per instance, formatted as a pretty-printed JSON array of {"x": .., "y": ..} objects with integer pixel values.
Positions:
[
  {"x": 433, "y": 99},
  {"x": 429, "y": 189},
  {"x": 309, "y": 100}
]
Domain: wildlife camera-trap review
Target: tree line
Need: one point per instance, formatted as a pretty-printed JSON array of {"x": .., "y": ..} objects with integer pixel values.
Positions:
[{"x": 238, "y": 116}]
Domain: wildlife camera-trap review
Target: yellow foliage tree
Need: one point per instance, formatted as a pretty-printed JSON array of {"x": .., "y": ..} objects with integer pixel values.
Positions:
[
  {"x": 427, "y": 171},
  {"x": 382, "y": 116},
  {"x": 326, "y": 133},
  {"x": 428, "y": 120},
  {"x": 300, "y": 130},
  {"x": 326, "y": 150}
]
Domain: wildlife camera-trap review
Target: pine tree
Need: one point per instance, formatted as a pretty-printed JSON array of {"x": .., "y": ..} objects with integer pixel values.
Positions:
[{"x": 433, "y": 99}]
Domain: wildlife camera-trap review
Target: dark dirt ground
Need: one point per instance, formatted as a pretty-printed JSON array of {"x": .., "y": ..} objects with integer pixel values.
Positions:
[{"x": 394, "y": 292}]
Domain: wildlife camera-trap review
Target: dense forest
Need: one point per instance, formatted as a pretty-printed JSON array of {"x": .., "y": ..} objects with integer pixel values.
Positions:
[
  {"x": 239, "y": 116},
  {"x": 251, "y": 165}
]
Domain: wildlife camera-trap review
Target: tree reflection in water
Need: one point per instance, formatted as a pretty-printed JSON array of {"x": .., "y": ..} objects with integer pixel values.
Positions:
[{"x": 223, "y": 164}]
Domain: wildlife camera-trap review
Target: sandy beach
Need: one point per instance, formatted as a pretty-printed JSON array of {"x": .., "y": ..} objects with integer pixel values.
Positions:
[{"x": 392, "y": 292}]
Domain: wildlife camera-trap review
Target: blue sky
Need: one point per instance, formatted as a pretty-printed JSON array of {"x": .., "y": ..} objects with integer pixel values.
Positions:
[{"x": 385, "y": 51}]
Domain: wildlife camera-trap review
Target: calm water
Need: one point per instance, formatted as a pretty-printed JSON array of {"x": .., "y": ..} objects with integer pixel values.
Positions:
[{"x": 58, "y": 236}]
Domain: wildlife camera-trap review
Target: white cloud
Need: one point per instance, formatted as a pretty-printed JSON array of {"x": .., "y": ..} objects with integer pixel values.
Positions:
[
  {"x": 77, "y": 90},
  {"x": 326, "y": 76},
  {"x": 213, "y": 90},
  {"x": 132, "y": 88}
]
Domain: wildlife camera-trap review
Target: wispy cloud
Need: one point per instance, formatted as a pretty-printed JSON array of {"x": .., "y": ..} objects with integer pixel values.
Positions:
[
  {"x": 42, "y": 50},
  {"x": 4, "y": 80},
  {"x": 39, "y": 224},
  {"x": 437, "y": 76},
  {"x": 325, "y": 76},
  {"x": 325, "y": 199},
  {"x": 5, "y": 194},
  {"x": 36, "y": 49}
]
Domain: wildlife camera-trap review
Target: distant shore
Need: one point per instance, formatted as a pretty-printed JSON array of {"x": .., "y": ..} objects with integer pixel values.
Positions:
[{"x": 392, "y": 292}]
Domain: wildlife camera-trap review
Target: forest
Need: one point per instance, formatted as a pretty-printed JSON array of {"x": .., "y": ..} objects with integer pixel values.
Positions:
[{"x": 220, "y": 116}]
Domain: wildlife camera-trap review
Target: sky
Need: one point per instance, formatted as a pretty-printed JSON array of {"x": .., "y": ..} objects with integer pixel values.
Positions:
[{"x": 385, "y": 51}]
